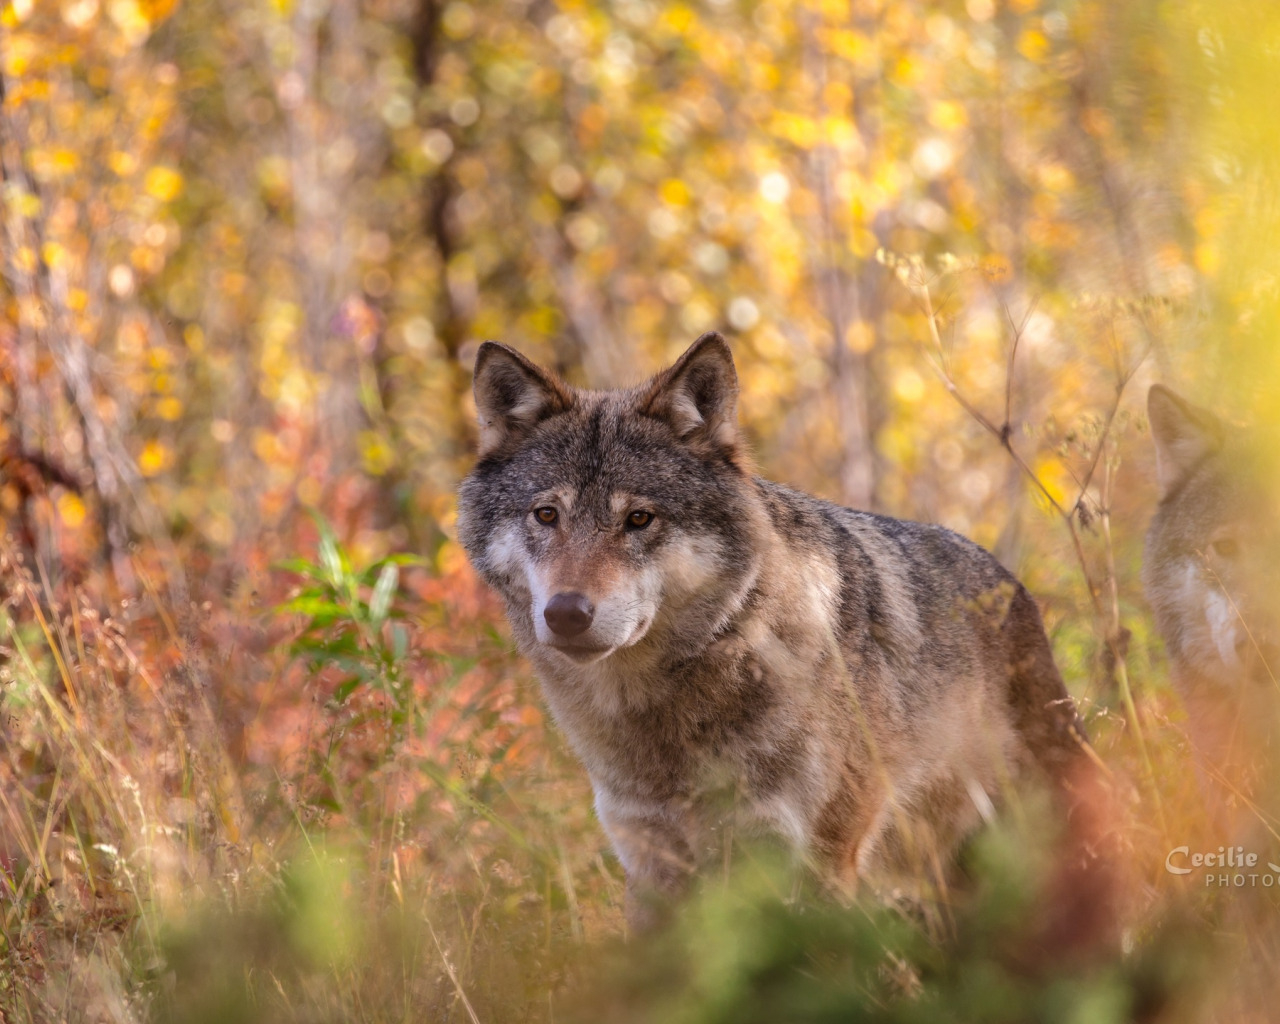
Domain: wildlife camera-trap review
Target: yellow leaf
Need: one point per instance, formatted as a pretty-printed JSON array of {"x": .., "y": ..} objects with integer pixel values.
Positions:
[
  {"x": 996, "y": 269},
  {"x": 1208, "y": 258},
  {"x": 122, "y": 163},
  {"x": 163, "y": 183},
  {"x": 451, "y": 559},
  {"x": 543, "y": 320},
  {"x": 947, "y": 115},
  {"x": 27, "y": 204},
  {"x": 70, "y": 509},
  {"x": 1056, "y": 177},
  {"x": 376, "y": 454},
  {"x": 18, "y": 55},
  {"x": 846, "y": 44},
  {"x": 797, "y": 129},
  {"x": 155, "y": 458},
  {"x": 674, "y": 192},
  {"x": 678, "y": 18},
  {"x": 130, "y": 19},
  {"x": 906, "y": 70},
  {"x": 1054, "y": 477},
  {"x": 265, "y": 446},
  {"x": 840, "y": 132},
  {"x": 1033, "y": 45},
  {"x": 62, "y": 161},
  {"x": 908, "y": 386},
  {"x": 31, "y": 89},
  {"x": 155, "y": 11}
]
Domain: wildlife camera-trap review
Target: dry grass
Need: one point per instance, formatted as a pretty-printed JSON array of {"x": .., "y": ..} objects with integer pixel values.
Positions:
[{"x": 192, "y": 829}]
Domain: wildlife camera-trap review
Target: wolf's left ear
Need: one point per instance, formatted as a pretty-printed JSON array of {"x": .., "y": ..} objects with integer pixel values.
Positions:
[
  {"x": 513, "y": 395},
  {"x": 1183, "y": 433},
  {"x": 698, "y": 396}
]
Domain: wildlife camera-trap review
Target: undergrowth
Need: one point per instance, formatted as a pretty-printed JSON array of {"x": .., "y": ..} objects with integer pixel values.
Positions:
[{"x": 335, "y": 798}]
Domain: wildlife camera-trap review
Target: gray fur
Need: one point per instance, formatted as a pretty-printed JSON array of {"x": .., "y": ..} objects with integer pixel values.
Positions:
[
  {"x": 1211, "y": 572},
  {"x": 863, "y": 686}
]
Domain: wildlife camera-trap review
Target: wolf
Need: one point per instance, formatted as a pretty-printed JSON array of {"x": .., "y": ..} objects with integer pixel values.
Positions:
[
  {"x": 1210, "y": 571},
  {"x": 862, "y": 688}
]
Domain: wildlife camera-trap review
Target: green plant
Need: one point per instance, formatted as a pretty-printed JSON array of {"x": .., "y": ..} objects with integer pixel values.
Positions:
[{"x": 352, "y": 624}]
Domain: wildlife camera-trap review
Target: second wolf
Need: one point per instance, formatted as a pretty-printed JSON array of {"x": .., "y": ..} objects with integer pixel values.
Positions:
[
  {"x": 1211, "y": 570},
  {"x": 863, "y": 686}
]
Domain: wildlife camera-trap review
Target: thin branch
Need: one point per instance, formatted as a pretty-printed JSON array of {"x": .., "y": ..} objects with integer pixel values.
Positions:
[
  {"x": 1017, "y": 331},
  {"x": 1122, "y": 382},
  {"x": 1111, "y": 633},
  {"x": 1000, "y": 434}
]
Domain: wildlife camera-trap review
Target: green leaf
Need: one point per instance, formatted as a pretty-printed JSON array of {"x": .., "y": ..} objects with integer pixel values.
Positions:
[
  {"x": 405, "y": 558},
  {"x": 337, "y": 569},
  {"x": 313, "y": 604},
  {"x": 370, "y": 573},
  {"x": 331, "y": 559},
  {"x": 385, "y": 589},
  {"x": 301, "y": 567},
  {"x": 324, "y": 649}
]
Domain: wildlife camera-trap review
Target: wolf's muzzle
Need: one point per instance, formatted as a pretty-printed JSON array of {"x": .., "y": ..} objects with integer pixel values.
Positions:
[{"x": 569, "y": 614}]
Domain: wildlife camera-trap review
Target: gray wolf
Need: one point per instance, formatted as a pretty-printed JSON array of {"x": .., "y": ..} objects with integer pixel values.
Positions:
[
  {"x": 863, "y": 688},
  {"x": 1211, "y": 570}
]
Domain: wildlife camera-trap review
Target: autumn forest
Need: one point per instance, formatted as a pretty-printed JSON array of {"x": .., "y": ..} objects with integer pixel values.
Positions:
[{"x": 267, "y": 749}]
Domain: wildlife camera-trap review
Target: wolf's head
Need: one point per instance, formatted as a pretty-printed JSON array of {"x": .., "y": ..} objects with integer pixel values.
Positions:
[
  {"x": 1212, "y": 566},
  {"x": 608, "y": 517}
]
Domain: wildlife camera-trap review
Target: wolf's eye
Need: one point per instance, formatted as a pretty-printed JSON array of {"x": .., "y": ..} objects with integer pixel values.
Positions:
[
  {"x": 639, "y": 519},
  {"x": 1227, "y": 547},
  {"x": 546, "y": 515}
]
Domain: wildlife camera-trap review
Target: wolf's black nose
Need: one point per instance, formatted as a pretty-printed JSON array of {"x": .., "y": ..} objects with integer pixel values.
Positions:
[{"x": 569, "y": 614}]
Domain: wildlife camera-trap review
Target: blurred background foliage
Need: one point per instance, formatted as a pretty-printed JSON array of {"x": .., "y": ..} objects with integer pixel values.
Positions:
[{"x": 250, "y": 247}]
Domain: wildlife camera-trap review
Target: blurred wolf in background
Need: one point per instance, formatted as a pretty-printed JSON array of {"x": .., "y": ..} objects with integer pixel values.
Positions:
[
  {"x": 862, "y": 687},
  {"x": 1212, "y": 575}
]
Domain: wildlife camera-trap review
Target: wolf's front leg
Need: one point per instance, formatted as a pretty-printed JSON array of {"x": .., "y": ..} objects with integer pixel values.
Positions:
[{"x": 652, "y": 843}]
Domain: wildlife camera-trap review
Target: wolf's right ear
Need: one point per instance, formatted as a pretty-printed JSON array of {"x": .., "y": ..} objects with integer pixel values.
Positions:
[
  {"x": 513, "y": 395},
  {"x": 1183, "y": 433}
]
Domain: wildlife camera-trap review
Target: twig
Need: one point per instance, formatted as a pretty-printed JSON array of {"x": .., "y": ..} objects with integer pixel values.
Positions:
[
  {"x": 1013, "y": 355},
  {"x": 921, "y": 286},
  {"x": 453, "y": 976}
]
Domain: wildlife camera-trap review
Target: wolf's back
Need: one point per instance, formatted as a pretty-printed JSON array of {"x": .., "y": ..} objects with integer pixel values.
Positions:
[{"x": 937, "y": 611}]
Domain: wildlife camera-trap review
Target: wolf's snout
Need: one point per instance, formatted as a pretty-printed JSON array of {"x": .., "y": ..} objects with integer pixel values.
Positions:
[{"x": 569, "y": 614}]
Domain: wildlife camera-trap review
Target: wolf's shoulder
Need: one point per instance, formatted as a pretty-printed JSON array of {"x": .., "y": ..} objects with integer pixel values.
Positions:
[{"x": 807, "y": 521}]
